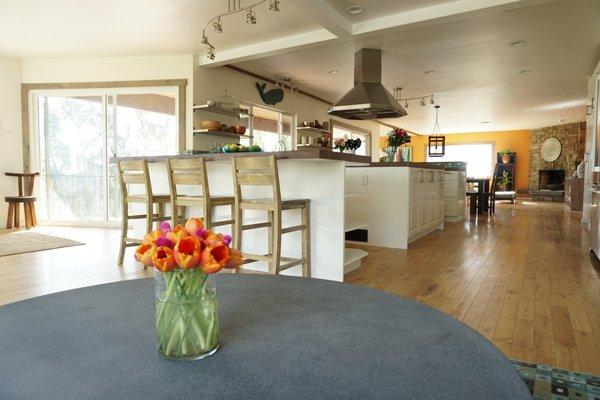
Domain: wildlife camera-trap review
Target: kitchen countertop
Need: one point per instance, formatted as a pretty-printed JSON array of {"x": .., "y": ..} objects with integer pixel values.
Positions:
[
  {"x": 307, "y": 153},
  {"x": 404, "y": 164}
]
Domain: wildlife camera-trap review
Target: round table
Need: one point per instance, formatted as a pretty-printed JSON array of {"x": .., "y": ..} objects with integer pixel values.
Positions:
[{"x": 281, "y": 338}]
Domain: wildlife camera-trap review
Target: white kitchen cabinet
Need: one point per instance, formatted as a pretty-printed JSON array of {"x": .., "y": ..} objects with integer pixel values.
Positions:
[
  {"x": 426, "y": 198},
  {"x": 454, "y": 187}
]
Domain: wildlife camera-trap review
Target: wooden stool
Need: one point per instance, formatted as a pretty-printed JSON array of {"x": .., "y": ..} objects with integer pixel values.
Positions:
[
  {"x": 262, "y": 171},
  {"x": 136, "y": 173},
  {"x": 192, "y": 172},
  {"x": 25, "y": 197}
]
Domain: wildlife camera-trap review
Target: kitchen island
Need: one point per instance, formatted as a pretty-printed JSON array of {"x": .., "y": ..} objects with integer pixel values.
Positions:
[
  {"x": 310, "y": 173},
  {"x": 400, "y": 202}
]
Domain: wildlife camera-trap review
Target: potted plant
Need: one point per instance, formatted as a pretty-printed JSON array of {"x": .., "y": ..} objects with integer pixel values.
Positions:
[
  {"x": 505, "y": 156},
  {"x": 353, "y": 145},
  {"x": 503, "y": 183},
  {"x": 340, "y": 144},
  {"x": 395, "y": 139}
]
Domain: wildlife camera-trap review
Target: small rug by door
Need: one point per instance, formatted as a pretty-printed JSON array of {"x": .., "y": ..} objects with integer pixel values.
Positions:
[
  {"x": 27, "y": 242},
  {"x": 548, "y": 383}
]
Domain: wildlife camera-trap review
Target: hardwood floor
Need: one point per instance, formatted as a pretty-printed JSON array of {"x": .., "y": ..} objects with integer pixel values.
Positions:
[{"x": 522, "y": 278}]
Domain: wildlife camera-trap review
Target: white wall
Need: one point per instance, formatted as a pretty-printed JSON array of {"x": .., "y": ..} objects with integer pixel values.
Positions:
[
  {"x": 115, "y": 69},
  {"x": 211, "y": 83},
  {"x": 11, "y": 159},
  {"x": 590, "y": 144}
]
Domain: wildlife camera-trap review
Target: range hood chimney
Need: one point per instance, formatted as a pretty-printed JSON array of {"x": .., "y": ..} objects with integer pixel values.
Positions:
[{"x": 368, "y": 99}]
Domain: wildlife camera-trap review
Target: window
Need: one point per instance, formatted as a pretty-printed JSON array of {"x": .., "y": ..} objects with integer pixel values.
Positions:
[
  {"x": 478, "y": 156},
  {"x": 271, "y": 129},
  {"x": 349, "y": 132},
  {"x": 78, "y": 131}
]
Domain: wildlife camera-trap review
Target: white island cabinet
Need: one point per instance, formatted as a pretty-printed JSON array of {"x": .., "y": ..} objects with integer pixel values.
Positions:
[{"x": 404, "y": 203}]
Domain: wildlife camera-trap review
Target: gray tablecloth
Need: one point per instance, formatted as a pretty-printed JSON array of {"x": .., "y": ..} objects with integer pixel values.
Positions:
[{"x": 281, "y": 338}]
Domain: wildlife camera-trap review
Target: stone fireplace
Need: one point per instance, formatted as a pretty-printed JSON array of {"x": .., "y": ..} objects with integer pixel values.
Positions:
[
  {"x": 551, "y": 179},
  {"x": 546, "y": 179}
]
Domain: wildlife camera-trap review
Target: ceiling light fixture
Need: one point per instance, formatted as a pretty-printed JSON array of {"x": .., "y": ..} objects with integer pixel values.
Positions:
[
  {"x": 524, "y": 71},
  {"x": 354, "y": 9},
  {"x": 429, "y": 72},
  {"x": 235, "y": 7},
  {"x": 485, "y": 122},
  {"x": 518, "y": 43},
  {"x": 422, "y": 99},
  {"x": 332, "y": 71}
]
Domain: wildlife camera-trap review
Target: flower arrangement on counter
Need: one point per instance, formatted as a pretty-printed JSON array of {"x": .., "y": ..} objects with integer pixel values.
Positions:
[
  {"x": 186, "y": 304},
  {"x": 347, "y": 144},
  {"x": 395, "y": 139},
  {"x": 340, "y": 144}
]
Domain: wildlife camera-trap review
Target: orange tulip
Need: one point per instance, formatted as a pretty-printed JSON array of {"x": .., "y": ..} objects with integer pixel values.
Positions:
[
  {"x": 187, "y": 252},
  {"x": 163, "y": 259},
  {"x": 151, "y": 237},
  {"x": 213, "y": 259},
  {"x": 194, "y": 226},
  {"x": 144, "y": 253},
  {"x": 235, "y": 259},
  {"x": 213, "y": 239},
  {"x": 176, "y": 234}
]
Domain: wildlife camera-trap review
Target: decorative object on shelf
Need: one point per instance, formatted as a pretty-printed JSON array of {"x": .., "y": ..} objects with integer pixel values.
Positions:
[
  {"x": 406, "y": 153},
  {"x": 436, "y": 145},
  {"x": 239, "y": 148},
  {"x": 271, "y": 97},
  {"x": 353, "y": 144},
  {"x": 423, "y": 100},
  {"x": 505, "y": 156},
  {"x": 504, "y": 182},
  {"x": 340, "y": 144},
  {"x": 235, "y": 7},
  {"x": 210, "y": 125},
  {"x": 551, "y": 149},
  {"x": 186, "y": 301},
  {"x": 395, "y": 139}
]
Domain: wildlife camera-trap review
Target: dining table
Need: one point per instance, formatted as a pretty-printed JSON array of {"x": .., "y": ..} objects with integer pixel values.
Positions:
[
  {"x": 483, "y": 190},
  {"x": 281, "y": 337}
]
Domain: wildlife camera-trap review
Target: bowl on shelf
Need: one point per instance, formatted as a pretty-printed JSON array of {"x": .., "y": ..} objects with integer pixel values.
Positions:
[
  {"x": 211, "y": 125},
  {"x": 240, "y": 129}
]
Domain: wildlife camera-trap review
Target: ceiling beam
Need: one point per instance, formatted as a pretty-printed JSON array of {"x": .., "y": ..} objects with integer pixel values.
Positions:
[
  {"x": 323, "y": 14},
  {"x": 268, "y": 48}
]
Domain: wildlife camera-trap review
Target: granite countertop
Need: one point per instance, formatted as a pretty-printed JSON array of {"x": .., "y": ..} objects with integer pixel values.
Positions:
[
  {"x": 447, "y": 166},
  {"x": 306, "y": 153}
]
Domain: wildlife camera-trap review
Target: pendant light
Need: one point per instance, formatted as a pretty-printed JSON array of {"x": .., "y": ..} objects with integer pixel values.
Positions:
[{"x": 436, "y": 146}]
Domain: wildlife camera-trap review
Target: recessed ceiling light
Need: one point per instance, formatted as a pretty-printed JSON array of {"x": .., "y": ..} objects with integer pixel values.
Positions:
[
  {"x": 429, "y": 71},
  {"x": 485, "y": 122},
  {"x": 525, "y": 71},
  {"x": 518, "y": 43},
  {"x": 332, "y": 71},
  {"x": 354, "y": 9}
]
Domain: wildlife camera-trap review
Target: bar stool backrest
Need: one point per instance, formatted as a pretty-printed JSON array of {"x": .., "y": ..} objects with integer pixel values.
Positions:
[
  {"x": 256, "y": 171},
  {"x": 134, "y": 173},
  {"x": 188, "y": 172}
]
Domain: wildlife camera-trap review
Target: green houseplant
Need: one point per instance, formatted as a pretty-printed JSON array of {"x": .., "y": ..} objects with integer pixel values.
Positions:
[
  {"x": 505, "y": 156},
  {"x": 503, "y": 183}
]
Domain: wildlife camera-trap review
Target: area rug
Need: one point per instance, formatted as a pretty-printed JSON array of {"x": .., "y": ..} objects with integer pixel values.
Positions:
[
  {"x": 548, "y": 383},
  {"x": 27, "y": 242}
]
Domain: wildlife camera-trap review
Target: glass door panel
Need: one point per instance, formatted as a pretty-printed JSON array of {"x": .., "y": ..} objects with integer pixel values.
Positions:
[
  {"x": 71, "y": 133},
  {"x": 138, "y": 125}
]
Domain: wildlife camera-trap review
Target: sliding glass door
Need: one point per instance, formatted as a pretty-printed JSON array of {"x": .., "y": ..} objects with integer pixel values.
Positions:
[{"x": 78, "y": 132}]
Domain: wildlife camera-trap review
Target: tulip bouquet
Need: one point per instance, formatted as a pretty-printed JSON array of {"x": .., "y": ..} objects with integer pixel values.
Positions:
[
  {"x": 186, "y": 302},
  {"x": 396, "y": 138}
]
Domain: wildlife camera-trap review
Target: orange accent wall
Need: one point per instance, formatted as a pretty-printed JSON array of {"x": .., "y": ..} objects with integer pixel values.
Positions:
[{"x": 517, "y": 141}]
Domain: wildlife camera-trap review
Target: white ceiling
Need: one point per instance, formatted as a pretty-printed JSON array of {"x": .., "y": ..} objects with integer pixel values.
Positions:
[
  {"x": 464, "y": 41},
  {"x": 476, "y": 70}
]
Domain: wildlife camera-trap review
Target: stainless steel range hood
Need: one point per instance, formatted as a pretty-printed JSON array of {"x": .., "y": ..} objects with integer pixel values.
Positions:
[{"x": 368, "y": 99}]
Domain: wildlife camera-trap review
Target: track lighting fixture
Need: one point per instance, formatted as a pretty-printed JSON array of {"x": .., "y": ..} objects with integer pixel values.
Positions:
[
  {"x": 274, "y": 5},
  {"x": 250, "y": 17},
  {"x": 422, "y": 99},
  {"x": 217, "y": 25}
]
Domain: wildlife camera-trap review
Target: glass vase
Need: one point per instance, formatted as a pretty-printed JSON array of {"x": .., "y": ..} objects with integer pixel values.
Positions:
[
  {"x": 391, "y": 152},
  {"x": 187, "y": 327}
]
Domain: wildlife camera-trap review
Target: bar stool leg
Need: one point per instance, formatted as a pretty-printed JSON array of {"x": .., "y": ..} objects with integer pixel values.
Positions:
[
  {"x": 17, "y": 215},
  {"x": 270, "y": 247},
  {"x": 276, "y": 226},
  {"x": 33, "y": 216},
  {"x": 10, "y": 217},
  {"x": 124, "y": 228},
  {"x": 207, "y": 214},
  {"x": 27, "y": 215},
  {"x": 305, "y": 215}
]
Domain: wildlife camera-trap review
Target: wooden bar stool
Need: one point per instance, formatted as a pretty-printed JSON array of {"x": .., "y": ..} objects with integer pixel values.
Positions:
[
  {"x": 192, "y": 172},
  {"x": 136, "y": 173},
  {"x": 262, "y": 171},
  {"x": 26, "y": 182}
]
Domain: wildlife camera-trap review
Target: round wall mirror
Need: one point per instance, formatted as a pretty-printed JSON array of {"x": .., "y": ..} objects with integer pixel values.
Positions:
[{"x": 551, "y": 149}]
